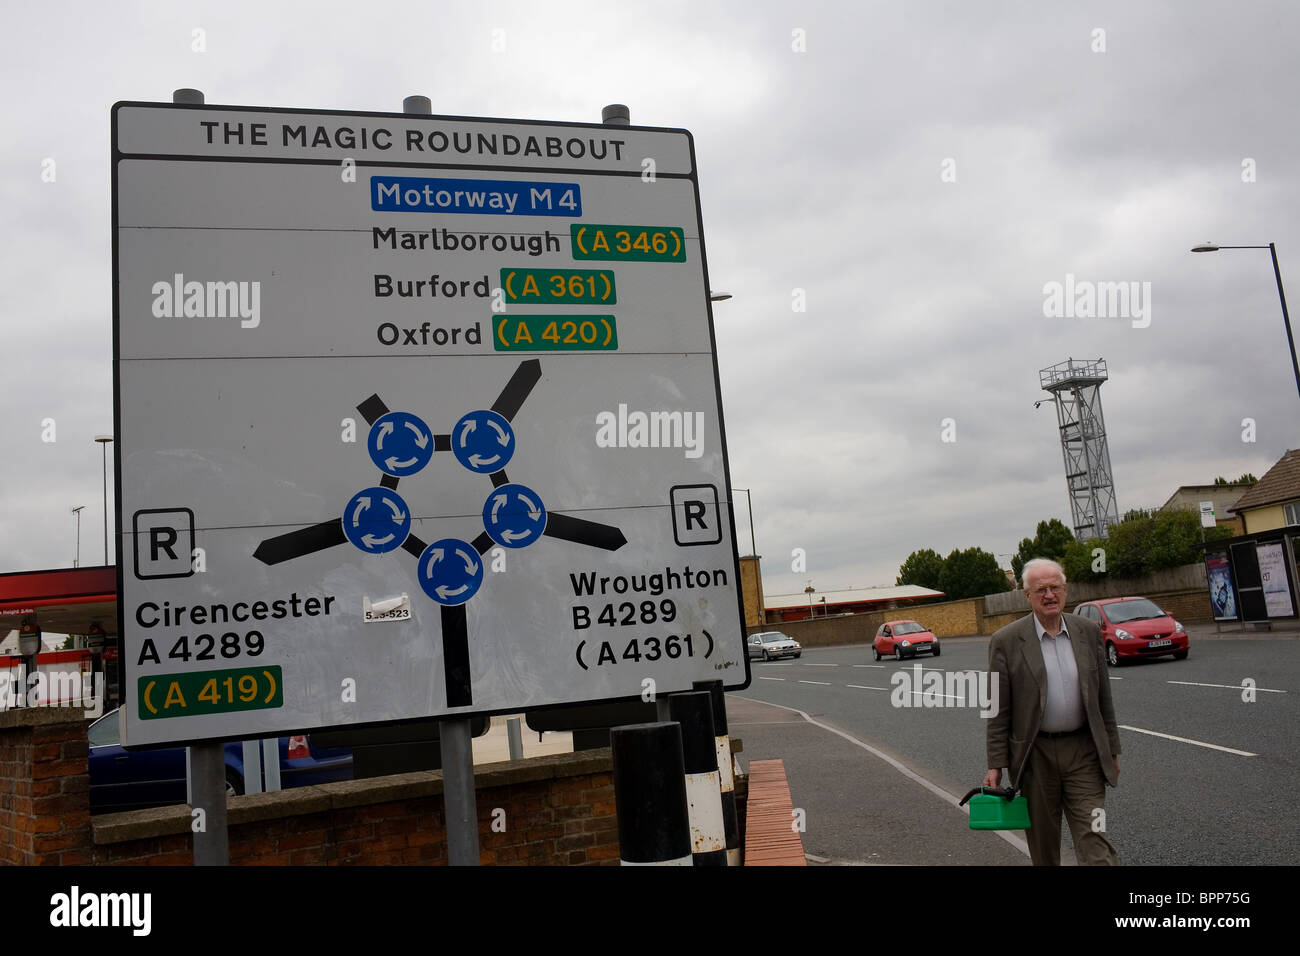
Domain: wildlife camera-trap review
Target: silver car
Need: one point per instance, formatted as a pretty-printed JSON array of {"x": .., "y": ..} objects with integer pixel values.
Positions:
[{"x": 769, "y": 645}]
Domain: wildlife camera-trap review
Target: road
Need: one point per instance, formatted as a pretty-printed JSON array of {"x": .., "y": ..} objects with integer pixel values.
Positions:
[{"x": 1222, "y": 794}]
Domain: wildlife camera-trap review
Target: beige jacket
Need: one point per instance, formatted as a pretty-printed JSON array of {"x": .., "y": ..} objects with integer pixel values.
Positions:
[{"x": 1016, "y": 662}]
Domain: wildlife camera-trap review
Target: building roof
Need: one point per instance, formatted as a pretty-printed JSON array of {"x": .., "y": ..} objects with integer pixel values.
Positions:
[
  {"x": 903, "y": 592},
  {"x": 1233, "y": 488},
  {"x": 63, "y": 600},
  {"x": 1280, "y": 483}
]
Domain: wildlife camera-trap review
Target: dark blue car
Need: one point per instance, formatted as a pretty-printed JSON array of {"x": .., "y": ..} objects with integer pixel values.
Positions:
[{"x": 135, "y": 779}]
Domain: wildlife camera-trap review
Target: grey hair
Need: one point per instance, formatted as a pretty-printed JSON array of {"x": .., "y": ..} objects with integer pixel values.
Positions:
[{"x": 1036, "y": 563}]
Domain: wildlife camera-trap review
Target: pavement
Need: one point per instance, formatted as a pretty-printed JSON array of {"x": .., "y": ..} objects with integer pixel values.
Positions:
[{"x": 854, "y": 794}]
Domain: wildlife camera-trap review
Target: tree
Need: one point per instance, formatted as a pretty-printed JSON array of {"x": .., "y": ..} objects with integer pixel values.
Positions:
[
  {"x": 1146, "y": 543},
  {"x": 1050, "y": 541},
  {"x": 922, "y": 568},
  {"x": 971, "y": 573},
  {"x": 1246, "y": 479},
  {"x": 1079, "y": 560}
]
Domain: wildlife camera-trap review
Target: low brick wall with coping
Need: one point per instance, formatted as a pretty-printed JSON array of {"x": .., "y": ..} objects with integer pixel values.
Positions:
[{"x": 549, "y": 811}]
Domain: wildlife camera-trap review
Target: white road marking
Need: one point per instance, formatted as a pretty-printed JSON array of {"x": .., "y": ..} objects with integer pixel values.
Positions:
[
  {"x": 771, "y": 678},
  {"x": 1188, "y": 740},
  {"x": 823, "y": 683},
  {"x": 806, "y": 664},
  {"x": 860, "y": 687},
  {"x": 1017, "y": 842},
  {"x": 869, "y": 665},
  {"x": 1192, "y": 683}
]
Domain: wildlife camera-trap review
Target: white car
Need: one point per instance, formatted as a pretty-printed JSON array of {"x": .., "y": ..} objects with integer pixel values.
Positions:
[{"x": 769, "y": 645}]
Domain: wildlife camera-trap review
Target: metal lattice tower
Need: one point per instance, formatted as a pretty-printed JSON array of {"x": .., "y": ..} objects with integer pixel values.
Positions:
[{"x": 1076, "y": 386}]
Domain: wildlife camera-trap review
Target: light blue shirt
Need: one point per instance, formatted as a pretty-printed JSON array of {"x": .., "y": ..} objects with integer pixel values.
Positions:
[{"x": 1064, "y": 708}]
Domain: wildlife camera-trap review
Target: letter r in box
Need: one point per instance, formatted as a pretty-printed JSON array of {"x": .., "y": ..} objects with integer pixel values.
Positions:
[
  {"x": 696, "y": 518},
  {"x": 164, "y": 543}
]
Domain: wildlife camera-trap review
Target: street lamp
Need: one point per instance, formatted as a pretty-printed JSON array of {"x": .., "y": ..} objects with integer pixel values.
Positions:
[
  {"x": 103, "y": 444},
  {"x": 1277, "y": 274},
  {"x": 77, "y": 511},
  {"x": 719, "y": 296},
  {"x": 753, "y": 548}
]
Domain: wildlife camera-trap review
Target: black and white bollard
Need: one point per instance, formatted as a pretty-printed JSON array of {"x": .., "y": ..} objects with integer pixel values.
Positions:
[
  {"x": 650, "y": 794},
  {"x": 727, "y": 779},
  {"x": 694, "y": 712}
]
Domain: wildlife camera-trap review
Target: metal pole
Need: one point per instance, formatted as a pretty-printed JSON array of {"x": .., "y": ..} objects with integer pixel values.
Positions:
[
  {"x": 207, "y": 760},
  {"x": 454, "y": 733},
  {"x": 103, "y": 446},
  {"x": 663, "y": 708},
  {"x": 514, "y": 739},
  {"x": 753, "y": 547},
  {"x": 208, "y": 787},
  {"x": 616, "y": 114},
  {"x": 1286, "y": 318},
  {"x": 103, "y": 441},
  {"x": 76, "y": 562}
]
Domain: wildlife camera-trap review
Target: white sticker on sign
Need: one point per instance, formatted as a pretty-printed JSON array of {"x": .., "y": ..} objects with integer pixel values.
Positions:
[{"x": 389, "y": 609}]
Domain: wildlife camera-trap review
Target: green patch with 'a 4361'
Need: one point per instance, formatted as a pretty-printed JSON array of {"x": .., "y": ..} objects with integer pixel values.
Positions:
[
  {"x": 627, "y": 243},
  {"x": 210, "y": 692},
  {"x": 555, "y": 333}
]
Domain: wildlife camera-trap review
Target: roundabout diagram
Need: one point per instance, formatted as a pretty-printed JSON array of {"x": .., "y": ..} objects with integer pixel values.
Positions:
[{"x": 378, "y": 519}]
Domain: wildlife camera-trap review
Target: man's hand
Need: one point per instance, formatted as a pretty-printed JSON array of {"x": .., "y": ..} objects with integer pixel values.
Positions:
[{"x": 993, "y": 779}]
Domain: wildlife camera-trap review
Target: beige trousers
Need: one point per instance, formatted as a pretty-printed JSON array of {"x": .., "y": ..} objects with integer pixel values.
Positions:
[{"x": 1063, "y": 774}]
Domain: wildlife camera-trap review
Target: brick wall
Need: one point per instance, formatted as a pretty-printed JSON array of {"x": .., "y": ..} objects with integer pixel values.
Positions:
[
  {"x": 965, "y": 617},
  {"x": 948, "y": 619},
  {"x": 951, "y": 618},
  {"x": 555, "y": 810},
  {"x": 44, "y": 786},
  {"x": 1188, "y": 606}
]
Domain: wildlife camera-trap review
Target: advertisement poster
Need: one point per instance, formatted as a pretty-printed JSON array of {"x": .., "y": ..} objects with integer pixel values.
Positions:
[
  {"x": 1221, "y": 593},
  {"x": 1272, "y": 573}
]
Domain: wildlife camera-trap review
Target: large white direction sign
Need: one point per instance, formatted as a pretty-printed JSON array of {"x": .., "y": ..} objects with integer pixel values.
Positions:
[{"x": 416, "y": 416}]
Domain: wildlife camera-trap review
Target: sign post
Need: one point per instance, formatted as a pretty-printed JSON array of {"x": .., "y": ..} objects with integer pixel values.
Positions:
[{"x": 417, "y": 416}]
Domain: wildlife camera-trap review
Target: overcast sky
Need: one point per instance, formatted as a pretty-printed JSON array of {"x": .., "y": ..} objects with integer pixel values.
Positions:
[{"x": 919, "y": 170}]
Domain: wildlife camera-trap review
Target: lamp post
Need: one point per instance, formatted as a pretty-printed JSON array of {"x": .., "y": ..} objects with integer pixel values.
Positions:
[
  {"x": 77, "y": 511},
  {"x": 753, "y": 548},
  {"x": 1277, "y": 274},
  {"x": 103, "y": 444}
]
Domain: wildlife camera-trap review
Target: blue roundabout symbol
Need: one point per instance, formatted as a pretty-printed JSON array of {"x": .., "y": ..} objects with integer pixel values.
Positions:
[
  {"x": 483, "y": 441},
  {"x": 450, "y": 571},
  {"x": 514, "y": 516},
  {"x": 400, "y": 444},
  {"x": 376, "y": 520}
]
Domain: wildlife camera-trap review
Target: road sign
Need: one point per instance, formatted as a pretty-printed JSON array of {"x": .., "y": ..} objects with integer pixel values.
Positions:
[{"x": 372, "y": 360}]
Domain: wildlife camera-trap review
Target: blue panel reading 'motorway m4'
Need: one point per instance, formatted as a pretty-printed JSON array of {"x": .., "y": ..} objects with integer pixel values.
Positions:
[{"x": 486, "y": 197}]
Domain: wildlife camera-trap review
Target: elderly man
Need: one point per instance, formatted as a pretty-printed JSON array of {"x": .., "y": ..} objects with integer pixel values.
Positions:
[{"x": 1055, "y": 727}]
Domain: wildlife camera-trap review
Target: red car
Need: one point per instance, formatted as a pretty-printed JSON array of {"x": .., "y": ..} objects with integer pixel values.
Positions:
[
  {"x": 904, "y": 638},
  {"x": 1135, "y": 627}
]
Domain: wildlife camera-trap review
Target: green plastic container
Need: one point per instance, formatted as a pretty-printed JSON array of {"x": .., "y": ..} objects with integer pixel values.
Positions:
[{"x": 991, "y": 812}]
